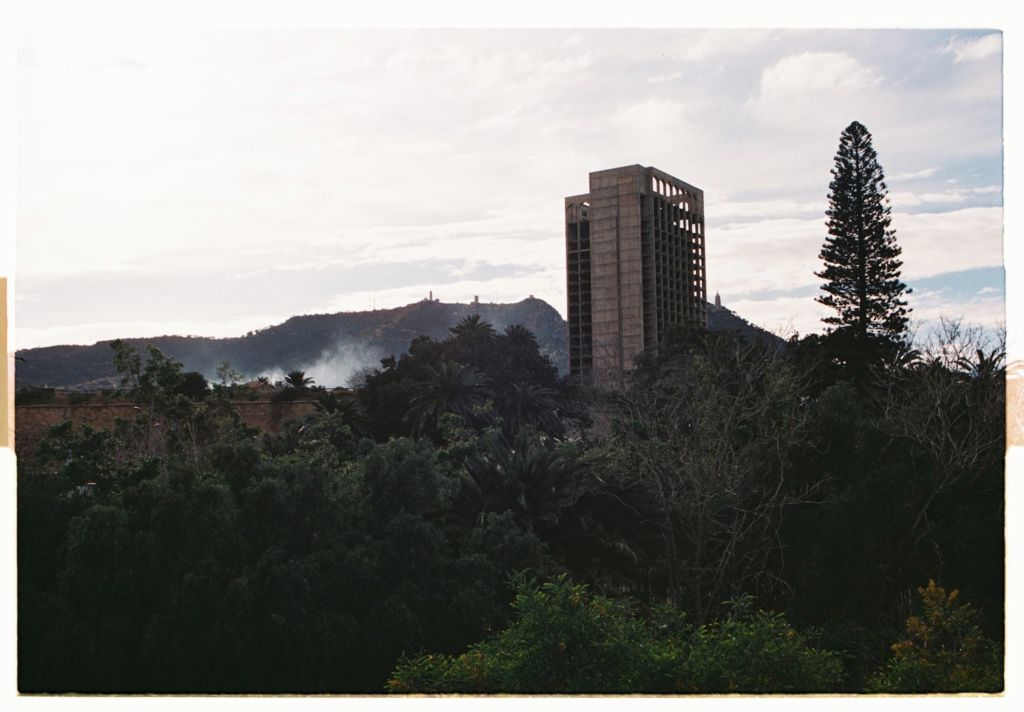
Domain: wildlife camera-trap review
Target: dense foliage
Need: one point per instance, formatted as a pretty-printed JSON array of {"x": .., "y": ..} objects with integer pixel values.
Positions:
[
  {"x": 183, "y": 551},
  {"x": 565, "y": 639}
]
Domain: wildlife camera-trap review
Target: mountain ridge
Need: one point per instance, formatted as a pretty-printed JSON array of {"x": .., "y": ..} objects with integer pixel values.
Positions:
[
  {"x": 329, "y": 345},
  {"x": 330, "y": 348}
]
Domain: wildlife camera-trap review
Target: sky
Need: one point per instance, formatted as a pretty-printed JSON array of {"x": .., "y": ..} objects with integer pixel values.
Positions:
[{"x": 212, "y": 182}]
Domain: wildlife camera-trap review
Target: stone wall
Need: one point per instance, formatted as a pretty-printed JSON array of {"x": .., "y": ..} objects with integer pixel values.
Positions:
[{"x": 32, "y": 421}]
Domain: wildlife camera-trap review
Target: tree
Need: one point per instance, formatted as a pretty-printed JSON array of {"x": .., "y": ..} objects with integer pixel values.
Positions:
[
  {"x": 705, "y": 448},
  {"x": 127, "y": 362},
  {"x": 530, "y": 404},
  {"x": 227, "y": 375},
  {"x": 862, "y": 259},
  {"x": 530, "y": 476},
  {"x": 944, "y": 651},
  {"x": 298, "y": 380},
  {"x": 948, "y": 413},
  {"x": 451, "y": 387},
  {"x": 193, "y": 385},
  {"x": 473, "y": 328}
]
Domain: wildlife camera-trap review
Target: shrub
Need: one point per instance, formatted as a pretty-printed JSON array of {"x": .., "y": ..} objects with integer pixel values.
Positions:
[
  {"x": 563, "y": 640},
  {"x": 944, "y": 651},
  {"x": 567, "y": 640},
  {"x": 754, "y": 652}
]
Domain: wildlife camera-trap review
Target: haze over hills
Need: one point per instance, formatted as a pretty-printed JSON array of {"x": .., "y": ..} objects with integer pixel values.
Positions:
[{"x": 330, "y": 348}]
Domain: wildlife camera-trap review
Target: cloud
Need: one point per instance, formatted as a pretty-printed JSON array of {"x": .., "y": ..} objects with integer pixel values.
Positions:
[
  {"x": 751, "y": 259},
  {"x": 505, "y": 119},
  {"x": 91, "y": 332},
  {"x": 976, "y": 295},
  {"x": 651, "y": 115},
  {"x": 663, "y": 78},
  {"x": 312, "y": 157},
  {"x": 761, "y": 255},
  {"x": 923, "y": 173},
  {"x": 703, "y": 45},
  {"x": 813, "y": 72},
  {"x": 975, "y": 49},
  {"x": 929, "y": 307},
  {"x": 722, "y": 212},
  {"x": 942, "y": 296},
  {"x": 955, "y": 195},
  {"x": 935, "y": 243}
]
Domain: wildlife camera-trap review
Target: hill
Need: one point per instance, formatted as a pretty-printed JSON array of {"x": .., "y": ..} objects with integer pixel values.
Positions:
[
  {"x": 330, "y": 348},
  {"x": 724, "y": 319}
]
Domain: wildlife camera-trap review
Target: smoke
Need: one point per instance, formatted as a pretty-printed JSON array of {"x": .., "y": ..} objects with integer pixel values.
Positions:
[{"x": 335, "y": 366}]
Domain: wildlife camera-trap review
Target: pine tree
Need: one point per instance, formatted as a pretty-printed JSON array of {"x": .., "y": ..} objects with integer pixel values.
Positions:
[{"x": 862, "y": 259}]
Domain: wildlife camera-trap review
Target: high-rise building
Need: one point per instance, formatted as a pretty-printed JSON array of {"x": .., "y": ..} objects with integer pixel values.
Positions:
[{"x": 635, "y": 267}]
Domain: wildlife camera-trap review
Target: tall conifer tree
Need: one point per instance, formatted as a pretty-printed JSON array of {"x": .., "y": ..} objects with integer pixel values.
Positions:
[{"x": 862, "y": 259}]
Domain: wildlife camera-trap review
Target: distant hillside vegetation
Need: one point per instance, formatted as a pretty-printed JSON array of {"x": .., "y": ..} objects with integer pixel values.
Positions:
[
  {"x": 723, "y": 319},
  {"x": 328, "y": 347}
]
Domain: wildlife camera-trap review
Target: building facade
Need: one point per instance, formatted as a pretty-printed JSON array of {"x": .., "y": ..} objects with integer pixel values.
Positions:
[{"x": 634, "y": 267}]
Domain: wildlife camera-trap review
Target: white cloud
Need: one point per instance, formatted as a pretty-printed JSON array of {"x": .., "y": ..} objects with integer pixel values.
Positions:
[
  {"x": 506, "y": 119},
  {"x": 935, "y": 243},
  {"x": 782, "y": 254},
  {"x": 923, "y": 173},
  {"x": 974, "y": 49},
  {"x": 915, "y": 199},
  {"x": 955, "y": 195},
  {"x": 763, "y": 255},
  {"x": 719, "y": 213},
  {"x": 663, "y": 78},
  {"x": 930, "y": 306},
  {"x": 813, "y": 72},
  {"x": 27, "y": 337},
  {"x": 783, "y": 315},
  {"x": 716, "y": 44},
  {"x": 651, "y": 115}
]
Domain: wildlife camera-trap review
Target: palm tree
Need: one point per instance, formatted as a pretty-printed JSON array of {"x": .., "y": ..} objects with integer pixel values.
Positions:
[
  {"x": 530, "y": 404},
  {"x": 298, "y": 380},
  {"x": 519, "y": 336},
  {"x": 531, "y": 477},
  {"x": 448, "y": 388},
  {"x": 473, "y": 328}
]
